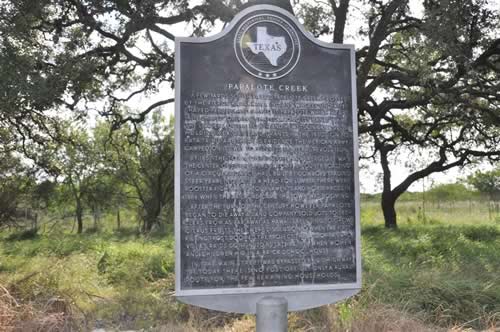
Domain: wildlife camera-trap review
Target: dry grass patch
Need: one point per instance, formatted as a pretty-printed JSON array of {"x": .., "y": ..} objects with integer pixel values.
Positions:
[
  {"x": 175, "y": 328},
  {"x": 384, "y": 318},
  {"x": 374, "y": 318},
  {"x": 8, "y": 310},
  {"x": 54, "y": 316}
]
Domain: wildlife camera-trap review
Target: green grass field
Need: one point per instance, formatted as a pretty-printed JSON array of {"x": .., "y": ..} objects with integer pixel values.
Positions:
[
  {"x": 449, "y": 213},
  {"x": 437, "y": 272}
]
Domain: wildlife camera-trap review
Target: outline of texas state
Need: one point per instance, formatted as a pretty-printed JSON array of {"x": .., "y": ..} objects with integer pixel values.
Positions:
[{"x": 271, "y": 46}]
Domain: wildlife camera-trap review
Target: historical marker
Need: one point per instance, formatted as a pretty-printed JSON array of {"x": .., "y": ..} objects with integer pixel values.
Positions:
[{"x": 266, "y": 166}]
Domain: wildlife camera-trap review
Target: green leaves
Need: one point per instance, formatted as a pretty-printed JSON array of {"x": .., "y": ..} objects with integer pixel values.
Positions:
[{"x": 487, "y": 182}]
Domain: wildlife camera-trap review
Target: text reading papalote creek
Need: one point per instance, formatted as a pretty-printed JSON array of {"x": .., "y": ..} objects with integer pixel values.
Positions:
[{"x": 267, "y": 187}]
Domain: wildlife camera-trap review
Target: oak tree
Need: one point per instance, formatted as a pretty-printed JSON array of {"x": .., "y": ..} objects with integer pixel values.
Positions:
[{"x": 428, "y": 84}]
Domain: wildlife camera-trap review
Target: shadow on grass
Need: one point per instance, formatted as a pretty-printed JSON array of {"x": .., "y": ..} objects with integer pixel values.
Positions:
[{"x": 23, "y": 235}]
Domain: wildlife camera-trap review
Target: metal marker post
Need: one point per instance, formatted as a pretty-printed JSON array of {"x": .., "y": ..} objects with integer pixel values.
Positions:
[
  {"x": 208, "y": 151},
  {"x": 272, "y": 314}
]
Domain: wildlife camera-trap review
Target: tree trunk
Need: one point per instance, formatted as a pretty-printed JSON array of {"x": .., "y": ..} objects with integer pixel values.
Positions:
[
  {"x": 151, "y": 217},
  {"x": 79, "y": 217},
  {"x": 149, "y": 221},
  {"x": 118, "y": 219},
  {"x": 423, "y": 198},
  {"x": 340, "y": 19},
  {"x": 490, "y": 208},
  {"x": 35, "y": 222},
  {"x": 389, "y": 210},
  {"x": 388, "y": 196},
  {"x": 97, "y": 218}
]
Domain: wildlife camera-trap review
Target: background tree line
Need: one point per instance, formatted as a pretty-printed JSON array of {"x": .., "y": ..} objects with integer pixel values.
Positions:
[
  {"x": 94, "y": 172},
  {"x": 481, "y": 187}
]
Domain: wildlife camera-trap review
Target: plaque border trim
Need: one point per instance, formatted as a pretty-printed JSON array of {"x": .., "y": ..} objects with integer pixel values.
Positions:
[{"x": 209, "y": 292}]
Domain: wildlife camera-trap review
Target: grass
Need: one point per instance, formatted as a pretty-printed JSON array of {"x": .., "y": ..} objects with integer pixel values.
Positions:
[
  {"x": 433, "y": 273},
  {"x": 447, "y": 273},
  {"x": 107, "y": 277},
  {"x": 449, "y": 213}
]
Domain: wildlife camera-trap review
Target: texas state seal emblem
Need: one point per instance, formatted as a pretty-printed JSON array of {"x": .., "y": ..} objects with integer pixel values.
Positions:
[{"x": 267, "y": 46}]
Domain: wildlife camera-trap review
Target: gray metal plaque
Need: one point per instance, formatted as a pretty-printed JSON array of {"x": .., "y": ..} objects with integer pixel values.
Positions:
[{"x": 266, "y": 166}]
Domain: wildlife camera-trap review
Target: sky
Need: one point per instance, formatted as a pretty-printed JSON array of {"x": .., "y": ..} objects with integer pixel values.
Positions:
[{"x": 370, "y": 174}]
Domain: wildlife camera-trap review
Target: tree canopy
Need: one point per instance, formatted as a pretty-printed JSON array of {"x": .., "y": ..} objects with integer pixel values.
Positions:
[
  {"x": 428, "y": 84},
  {"x": 487, "y": 183}
]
